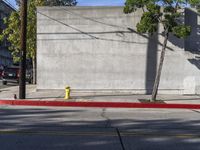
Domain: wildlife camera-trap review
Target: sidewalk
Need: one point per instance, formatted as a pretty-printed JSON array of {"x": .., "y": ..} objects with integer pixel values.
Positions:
[{"x": 58, "y": 95}]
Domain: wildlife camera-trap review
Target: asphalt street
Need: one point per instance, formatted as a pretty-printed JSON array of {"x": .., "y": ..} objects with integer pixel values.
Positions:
[{"x": 39, "y": 128}]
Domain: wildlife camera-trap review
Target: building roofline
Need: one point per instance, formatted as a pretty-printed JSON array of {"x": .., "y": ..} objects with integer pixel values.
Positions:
[
  {"x": 83, "y": 6},
  {"x": 78, "y": 7}
]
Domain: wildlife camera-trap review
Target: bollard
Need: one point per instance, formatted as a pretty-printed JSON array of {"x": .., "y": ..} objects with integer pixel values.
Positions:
[{"x": 67, "y": 92}]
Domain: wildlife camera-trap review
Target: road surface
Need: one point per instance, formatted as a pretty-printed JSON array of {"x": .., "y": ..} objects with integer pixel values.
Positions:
[{"x": 39, "y": 128}]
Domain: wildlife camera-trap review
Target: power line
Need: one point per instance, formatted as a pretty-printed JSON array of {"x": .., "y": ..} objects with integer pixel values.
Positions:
[
  {"x": 103, "y": 39},
  {"x": 111, "y": 25},
  {"x": 87, "y": 18},
  {"x": 69, "y": 26},
  {"x": 92, "y": 36}
]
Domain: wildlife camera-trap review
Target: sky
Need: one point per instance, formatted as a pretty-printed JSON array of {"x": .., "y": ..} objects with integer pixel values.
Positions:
[
  {"x": 91, "y": 2},
  {"x": 101, "y": 2}
]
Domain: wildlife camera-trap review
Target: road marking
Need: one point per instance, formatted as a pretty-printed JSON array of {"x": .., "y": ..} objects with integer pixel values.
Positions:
[
  {"x": 123, "y": 134},
  {"x": 160, "y": 135},
  {"x": 60, "y": 133}
]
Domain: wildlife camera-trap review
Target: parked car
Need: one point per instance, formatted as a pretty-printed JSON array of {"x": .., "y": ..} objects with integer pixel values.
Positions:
[
  {"x": 1, "y": 71},
  {"x": 10, "y": 74}
]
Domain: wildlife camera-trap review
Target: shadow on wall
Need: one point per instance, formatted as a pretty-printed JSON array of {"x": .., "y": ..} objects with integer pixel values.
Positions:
[
  {"x": 151, "y": 63},
  {"x": 117, "y": 35},
  {"x": 195, "y": 61},
  {"x": 192, "y": 43},
  {"x": 152, "y": 45}
]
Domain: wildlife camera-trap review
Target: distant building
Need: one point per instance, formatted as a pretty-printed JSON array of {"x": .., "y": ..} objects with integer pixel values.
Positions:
[{"x": 5, "y": 55}]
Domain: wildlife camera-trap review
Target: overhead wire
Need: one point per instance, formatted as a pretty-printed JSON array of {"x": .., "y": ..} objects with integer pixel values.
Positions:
[
  {"x": 112, "y": 25},
  {"x": 87, "y": 18},
  {"x": 85, "y": 33},
  {"x": 68, "y": 26}
]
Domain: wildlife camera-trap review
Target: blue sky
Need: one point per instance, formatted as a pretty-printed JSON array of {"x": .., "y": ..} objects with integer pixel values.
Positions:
[
  {"x": 91, "y": 2},
  {"x": 101, "y": 2}
]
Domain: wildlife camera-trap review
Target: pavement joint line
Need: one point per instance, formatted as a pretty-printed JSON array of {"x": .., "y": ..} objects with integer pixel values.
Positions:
[
  {"x": 162, "y": 135},
  {"x": 122, "y": 134},
  {"x": 108, "y": 121}
]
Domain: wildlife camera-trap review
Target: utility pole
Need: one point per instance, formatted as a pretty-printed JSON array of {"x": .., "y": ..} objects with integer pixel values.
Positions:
[{"x": 22, "y": 77}]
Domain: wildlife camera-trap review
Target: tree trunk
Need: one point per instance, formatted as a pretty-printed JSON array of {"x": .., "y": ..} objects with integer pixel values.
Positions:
[
  {"x": 34, "y": 70},
  {"x": 158, "y": 74}
]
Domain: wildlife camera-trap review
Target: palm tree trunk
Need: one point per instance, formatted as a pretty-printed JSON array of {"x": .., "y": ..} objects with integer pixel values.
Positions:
[{"x": 158, "y": 74}]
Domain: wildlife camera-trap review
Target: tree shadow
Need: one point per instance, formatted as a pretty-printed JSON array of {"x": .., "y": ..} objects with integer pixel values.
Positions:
[
  {"x": 151, "y": 62},
  {"x": 117, "y": 36},
  {"x": 192, "y": 43},
  {"x": 195, "y": 61},
  {"x": 31, "y": 125}
]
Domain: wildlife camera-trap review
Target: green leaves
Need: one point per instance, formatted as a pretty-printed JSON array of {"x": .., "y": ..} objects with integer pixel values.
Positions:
[
  {"x": 128, "y": 9},
  {"x": 153, "y": 8},
  {"x": 148, "y": 23},
  {"x": 133, "y": 5},
  {"x": 169, "y": 21},
  {"x": 195, "y": 3},
  {"x": 169, "y": 9},
  {"x": 149, "y": 20},
  {"x": 181, "y": 31},
  {"x": 60, "y": 2},
  {"x": 164, "y": 12},
  {"x": 12, "y": 32}
]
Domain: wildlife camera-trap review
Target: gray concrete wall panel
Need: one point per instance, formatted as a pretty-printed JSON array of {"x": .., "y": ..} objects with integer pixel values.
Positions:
[{"x": 98, "y": 49}]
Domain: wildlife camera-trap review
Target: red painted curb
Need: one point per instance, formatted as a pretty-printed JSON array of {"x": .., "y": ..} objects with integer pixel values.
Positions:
[{"x": 98, "y": 104}]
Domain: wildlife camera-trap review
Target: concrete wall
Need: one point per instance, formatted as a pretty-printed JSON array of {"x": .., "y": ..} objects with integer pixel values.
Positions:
[{"x": 98, "y": 49}]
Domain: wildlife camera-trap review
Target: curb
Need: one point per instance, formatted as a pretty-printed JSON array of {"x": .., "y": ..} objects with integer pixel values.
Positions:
[{"x": 97, "y": 104}]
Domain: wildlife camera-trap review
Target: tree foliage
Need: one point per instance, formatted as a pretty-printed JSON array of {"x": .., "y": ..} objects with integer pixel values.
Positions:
[
  {"x": 12, "y": 32},
  {"x": 55, "y": 2},
  {"x": 167, "y": 13},
  {"x": 60, "y": 2}
]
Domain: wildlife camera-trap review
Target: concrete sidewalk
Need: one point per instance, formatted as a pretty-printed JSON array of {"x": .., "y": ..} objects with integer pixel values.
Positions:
[{"x": 58, "y": 95}]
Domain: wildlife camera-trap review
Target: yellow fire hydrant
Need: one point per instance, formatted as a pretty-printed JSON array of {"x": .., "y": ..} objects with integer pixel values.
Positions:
[{"x": 67, "y": 92}]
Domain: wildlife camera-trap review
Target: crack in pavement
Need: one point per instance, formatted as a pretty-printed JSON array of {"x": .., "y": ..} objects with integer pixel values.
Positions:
[
  {"x": 108, "y": 125},
  {"x": 108, "y": 121}
]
